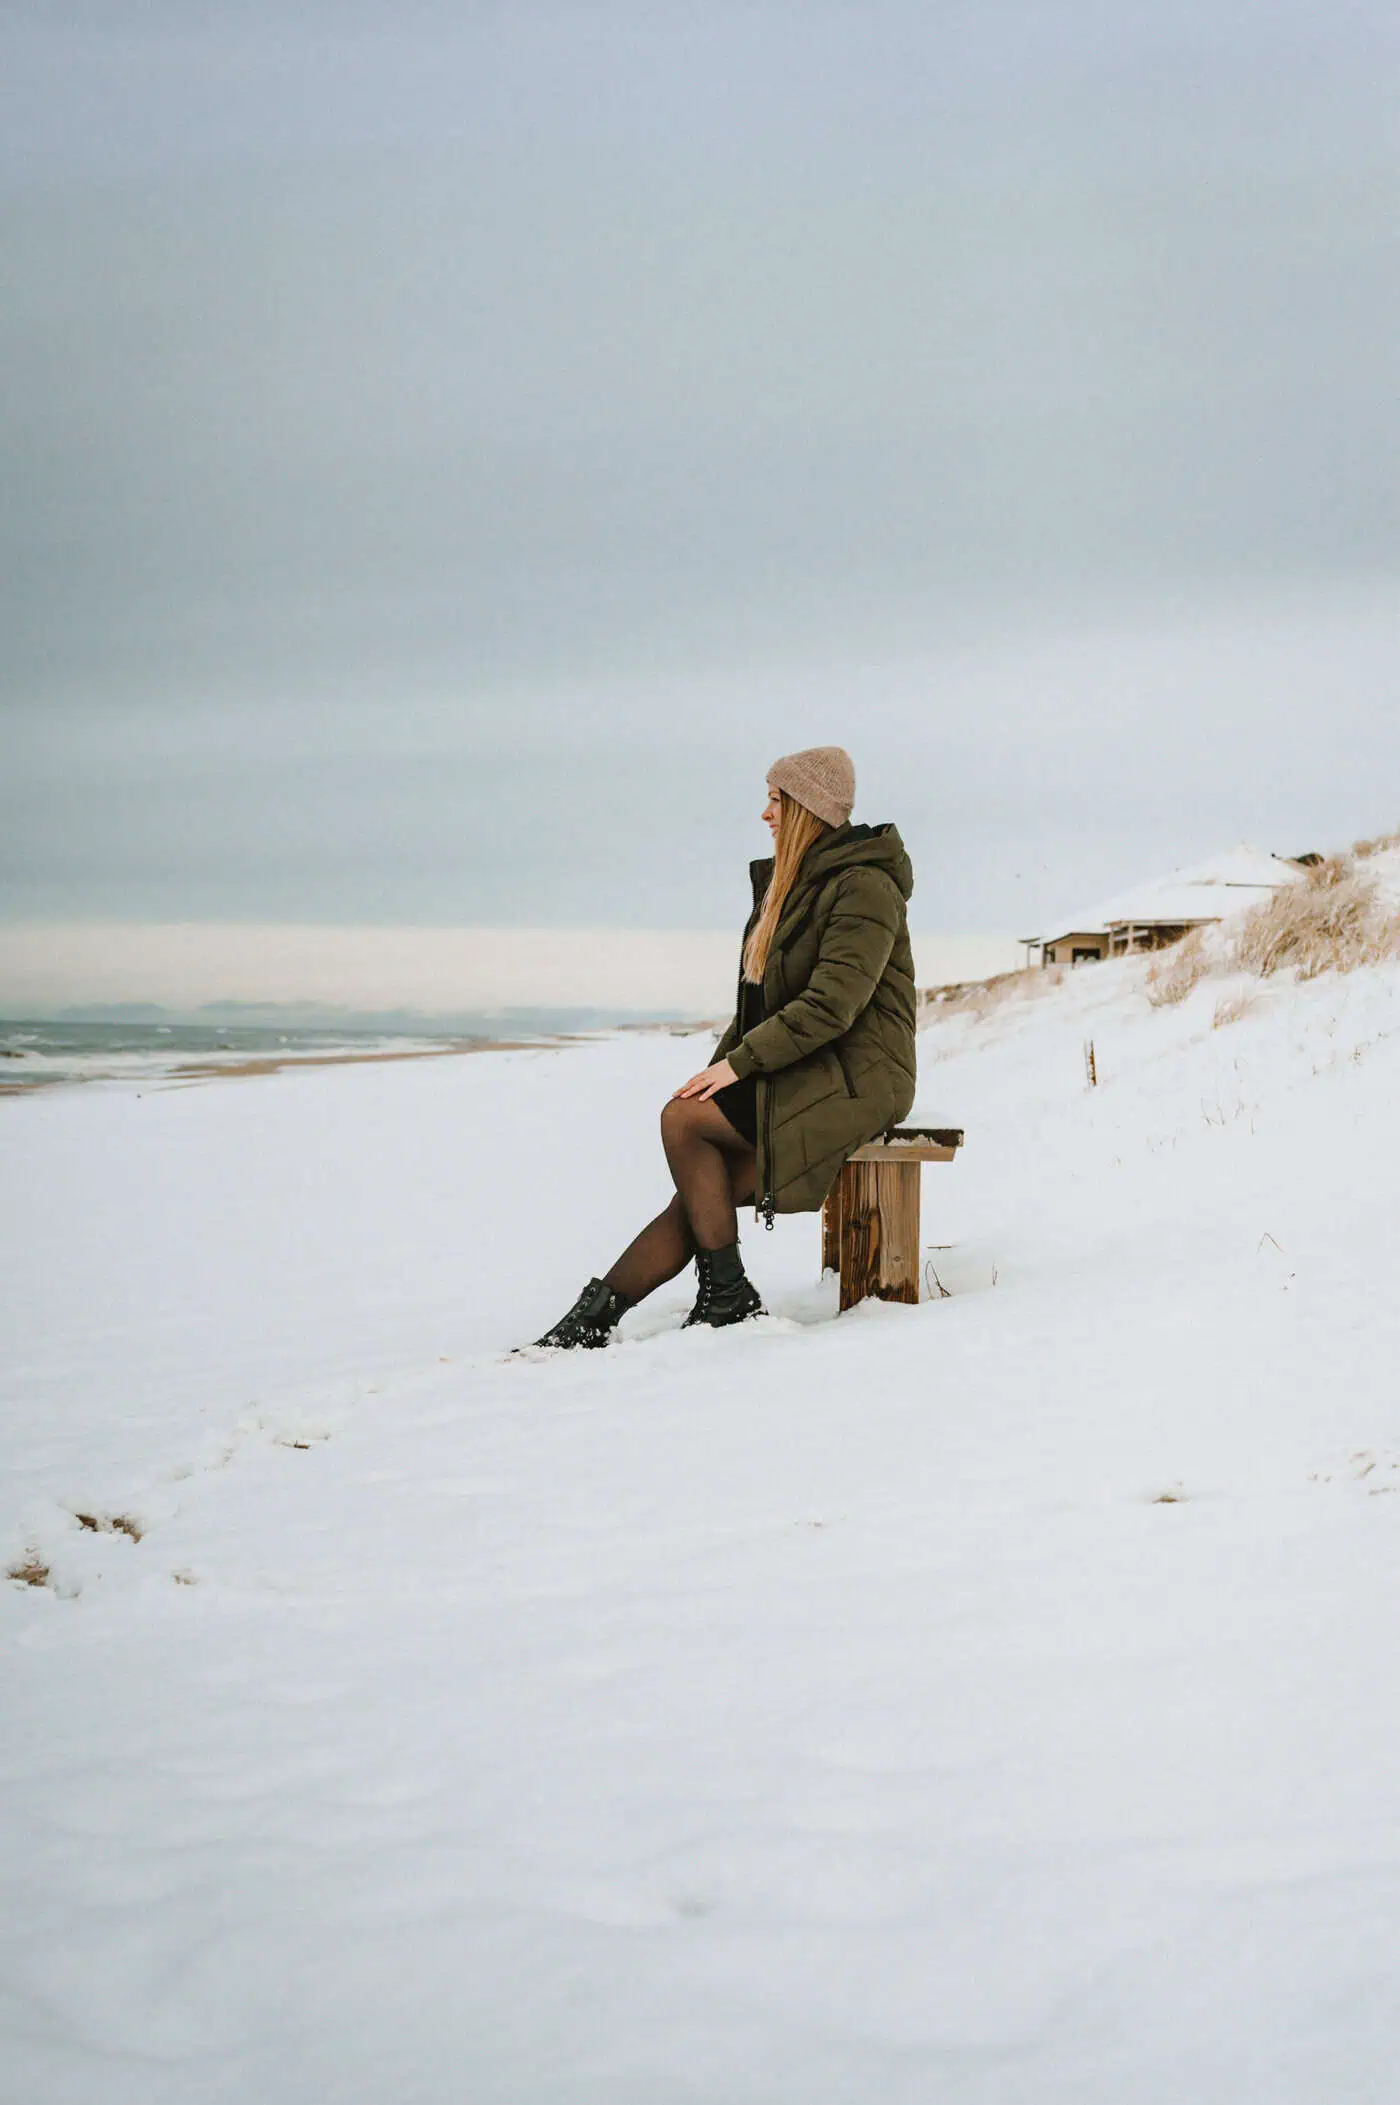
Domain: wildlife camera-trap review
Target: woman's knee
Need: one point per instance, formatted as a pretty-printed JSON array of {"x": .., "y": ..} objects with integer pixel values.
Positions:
[{"x": 677, "y": 1119}]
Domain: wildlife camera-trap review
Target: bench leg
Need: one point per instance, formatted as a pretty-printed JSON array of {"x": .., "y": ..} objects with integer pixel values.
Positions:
[
  {"x": 831, "y": 1225},
  {"x": 879, "y": 1231}
]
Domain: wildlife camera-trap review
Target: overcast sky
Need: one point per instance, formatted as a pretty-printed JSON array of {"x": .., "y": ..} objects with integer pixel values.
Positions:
[{"x": 449, "y": 450}]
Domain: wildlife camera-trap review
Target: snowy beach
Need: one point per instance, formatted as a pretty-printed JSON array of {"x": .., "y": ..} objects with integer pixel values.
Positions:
[
  {"x": 498, "y": 501},
  {"x": 36, "y": 1054},
  {"x": 984, "y": 1703}
]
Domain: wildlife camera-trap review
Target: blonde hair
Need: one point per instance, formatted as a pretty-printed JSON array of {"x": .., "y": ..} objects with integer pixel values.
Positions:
[{"x": 798, "y": 828}]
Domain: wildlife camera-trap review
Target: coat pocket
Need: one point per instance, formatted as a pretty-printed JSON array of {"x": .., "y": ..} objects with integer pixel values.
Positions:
[{"x": 818, "y": 1079}]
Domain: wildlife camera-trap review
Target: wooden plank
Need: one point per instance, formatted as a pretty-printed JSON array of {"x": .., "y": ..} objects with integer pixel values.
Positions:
[
  {"x": 912, "y": 1144},
  {"x": 879, "y": 1231},
  {"x": 919, "y": 1151}
]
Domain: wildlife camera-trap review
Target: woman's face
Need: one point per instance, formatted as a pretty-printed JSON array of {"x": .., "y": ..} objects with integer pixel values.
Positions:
[{"x": 772, "y": 813}]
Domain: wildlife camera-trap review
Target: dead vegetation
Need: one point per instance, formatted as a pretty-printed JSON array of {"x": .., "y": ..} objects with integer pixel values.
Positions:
[
  {"x": 1231, "y": 1009},
  {"x": 1364, "y": 850},
  {"x": 980, "y": 998},
  {"x": 1334, "y": 921},
  {"x": 31, "y": 1570},
  {"x": 1174, "y": 972},
  {"x": 117, "y": 1524},
  {"x": 1335, "y": 918}
]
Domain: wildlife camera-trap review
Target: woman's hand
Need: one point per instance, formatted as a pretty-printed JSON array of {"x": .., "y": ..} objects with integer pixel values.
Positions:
[{"x": 704, "y": 1084}]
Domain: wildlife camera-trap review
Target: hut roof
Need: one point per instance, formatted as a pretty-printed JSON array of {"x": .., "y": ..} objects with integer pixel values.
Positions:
[{"x": 1206, "y": 891}]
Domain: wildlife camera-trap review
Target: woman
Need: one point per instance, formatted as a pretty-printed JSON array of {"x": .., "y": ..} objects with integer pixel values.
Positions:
[{"x": 818, "y": 1059}]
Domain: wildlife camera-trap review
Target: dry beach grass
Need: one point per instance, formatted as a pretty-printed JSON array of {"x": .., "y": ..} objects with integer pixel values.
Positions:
[
  {"x": 1172, "y": 974},
  {"x": 1336, "y": 920}
]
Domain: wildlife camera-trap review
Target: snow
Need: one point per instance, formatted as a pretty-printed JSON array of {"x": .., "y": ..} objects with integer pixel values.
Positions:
[
  {"x": 976, "y": 1704},
  {"x": 1206, "y": 891}
]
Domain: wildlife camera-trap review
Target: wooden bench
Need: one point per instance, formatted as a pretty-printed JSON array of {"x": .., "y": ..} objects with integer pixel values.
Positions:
[{"x": 870, "y": 1222}]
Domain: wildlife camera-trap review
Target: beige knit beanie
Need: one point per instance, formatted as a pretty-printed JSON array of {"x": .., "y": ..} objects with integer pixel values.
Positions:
[{"x": 822, "y": 777}]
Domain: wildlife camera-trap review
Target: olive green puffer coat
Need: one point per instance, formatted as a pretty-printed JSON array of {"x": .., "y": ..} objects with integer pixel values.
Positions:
[{"x": 833, "y": 1059}]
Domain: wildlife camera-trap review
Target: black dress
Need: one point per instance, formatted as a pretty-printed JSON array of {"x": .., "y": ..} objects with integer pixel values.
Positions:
[{"x": 739, "y": 1100}]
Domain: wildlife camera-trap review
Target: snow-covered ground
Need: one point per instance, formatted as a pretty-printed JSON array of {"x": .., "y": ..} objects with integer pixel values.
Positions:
[{"x": 992, "y": 1702}]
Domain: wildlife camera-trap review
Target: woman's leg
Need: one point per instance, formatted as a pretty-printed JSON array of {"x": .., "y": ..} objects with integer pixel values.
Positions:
[
  {"x": 707, "y": 1158},
  {"x": 661, "y": 1250},
  {"x": 712, "y": 1167}
]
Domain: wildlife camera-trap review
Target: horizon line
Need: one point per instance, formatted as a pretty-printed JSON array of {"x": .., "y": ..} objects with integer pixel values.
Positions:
[{"x": 51, "y": 965}]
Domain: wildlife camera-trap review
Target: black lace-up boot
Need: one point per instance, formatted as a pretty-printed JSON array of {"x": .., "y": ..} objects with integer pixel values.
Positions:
[
  {"x": 727, "y": 1294},
  {"x": 590, "y": 1322}
]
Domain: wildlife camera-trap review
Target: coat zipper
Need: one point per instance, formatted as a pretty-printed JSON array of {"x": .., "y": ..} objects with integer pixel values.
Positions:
[
  {"x": 763, "y": 1202},
  {"x": 767, "y": 1204}
]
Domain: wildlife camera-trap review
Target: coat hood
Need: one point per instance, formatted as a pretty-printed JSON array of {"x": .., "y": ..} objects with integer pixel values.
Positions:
[{"x": 846, "y": 847}]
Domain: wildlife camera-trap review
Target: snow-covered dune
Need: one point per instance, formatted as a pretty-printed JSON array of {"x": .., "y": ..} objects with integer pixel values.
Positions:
[{"x": 987, "y": 1702}]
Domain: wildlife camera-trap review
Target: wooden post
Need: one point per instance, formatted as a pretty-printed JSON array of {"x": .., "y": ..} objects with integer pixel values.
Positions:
[
  {"x": 879, "y": 1231},
  {"x": 831, "y": 1227}
]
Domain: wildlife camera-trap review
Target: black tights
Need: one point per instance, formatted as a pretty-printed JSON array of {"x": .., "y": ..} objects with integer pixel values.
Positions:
[{"x": 715, "y": 1172}]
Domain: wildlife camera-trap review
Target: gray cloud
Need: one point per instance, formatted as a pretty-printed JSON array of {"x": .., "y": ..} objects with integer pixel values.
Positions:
[{"x": 446, "y": 457}]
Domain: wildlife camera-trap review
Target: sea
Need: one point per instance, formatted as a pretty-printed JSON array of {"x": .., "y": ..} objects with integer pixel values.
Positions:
[{"x": 38, "y": 1053}]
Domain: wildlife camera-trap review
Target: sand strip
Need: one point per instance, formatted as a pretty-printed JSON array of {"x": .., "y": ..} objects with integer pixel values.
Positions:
[{"x": 273, "y": 1063}]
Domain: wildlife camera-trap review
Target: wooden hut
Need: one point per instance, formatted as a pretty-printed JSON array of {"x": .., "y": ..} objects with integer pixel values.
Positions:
[{"x": 1162, "y": 911}]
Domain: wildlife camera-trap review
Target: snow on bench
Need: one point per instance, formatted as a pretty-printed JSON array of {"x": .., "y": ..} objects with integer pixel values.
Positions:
[{"x": 870, "y": 1222}]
